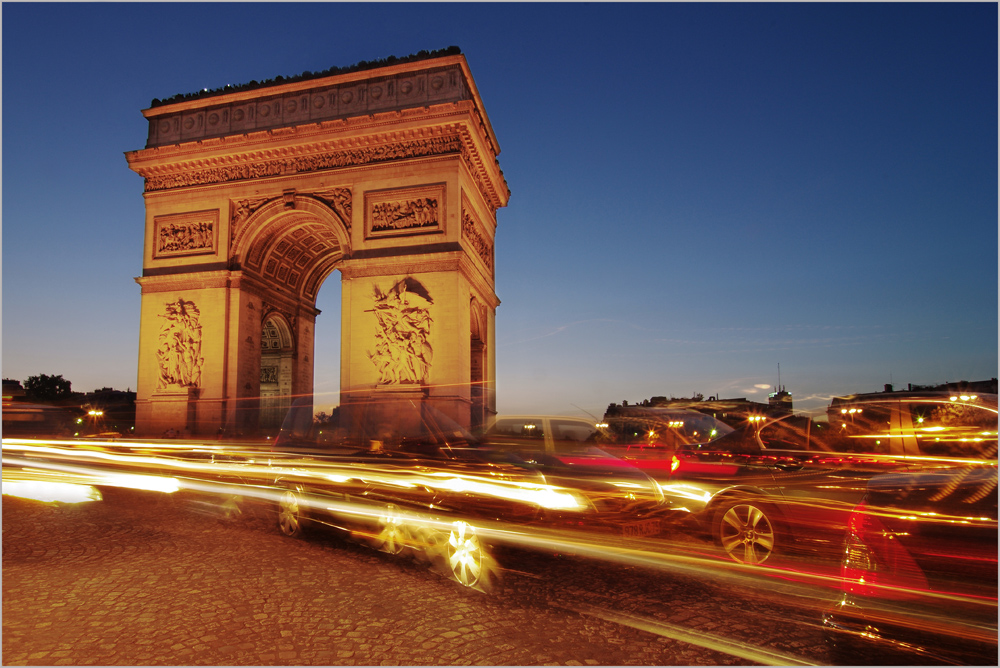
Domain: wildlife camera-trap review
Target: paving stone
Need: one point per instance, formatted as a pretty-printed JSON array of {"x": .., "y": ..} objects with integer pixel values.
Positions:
[{"x": 147, "y": 583}]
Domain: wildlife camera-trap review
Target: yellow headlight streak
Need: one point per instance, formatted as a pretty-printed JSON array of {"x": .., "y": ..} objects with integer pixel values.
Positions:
[
  {"x": 281, "y": 466},
  {"x": 546, "y": 497},
  {"x": 661, "y": 554}
]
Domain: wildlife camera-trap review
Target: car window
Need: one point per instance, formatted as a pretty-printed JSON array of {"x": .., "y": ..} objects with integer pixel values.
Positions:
[
  {"x": 524, "y": 436},
  {"x": 862, "y": 429},
  {"x": 738, "y": 442},
  {"x": 573, "y": 431},
  {"x": 519, "y": 429},
  {"x": 954, "y": 428},
  {"x": 666, "y": 429},
  {"x": 802, "y": 433}
]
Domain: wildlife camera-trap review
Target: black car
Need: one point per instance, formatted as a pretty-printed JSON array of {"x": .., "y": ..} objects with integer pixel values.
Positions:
[
  {"x": 570, "y": 452},
  {"x": 920, "y": 572},
  {"x": 793, "y": 480},
  {"x": 404, "y": 477}
]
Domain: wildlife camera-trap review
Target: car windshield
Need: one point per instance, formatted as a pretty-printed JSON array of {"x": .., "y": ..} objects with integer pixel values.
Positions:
[
  {"x": 665, "y": 427},
  {"x": 378, "y": 427}
]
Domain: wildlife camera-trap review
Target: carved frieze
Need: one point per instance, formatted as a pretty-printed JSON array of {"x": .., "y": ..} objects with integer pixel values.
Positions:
[
  {"x": 179, "y": 351},
  {"x": 403, "y": 352},
  {"x": 471, "y": 232},
  {"x": 404, "y": 211},
  {"x": 306, "y": 163},
  {"x": 185, "y": 234},
  {"x": 404, "y": 214},
  {"x": 268, "y": 374}
]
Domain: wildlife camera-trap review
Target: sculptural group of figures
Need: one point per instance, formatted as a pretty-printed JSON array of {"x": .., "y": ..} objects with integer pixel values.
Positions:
[
  {"x": 402, "y": 351},
  {"x": 179, "y": 351},
  {"x": 185, "y": 237},
  {"x": 421, "y": 212}
]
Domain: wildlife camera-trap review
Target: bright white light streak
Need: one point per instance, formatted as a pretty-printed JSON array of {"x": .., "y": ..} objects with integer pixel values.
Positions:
[
  {"x": 693, "y": 493},
  {"x": 49, "y": 492},
  {"x": 152, "y": 483},
  {"x": 541, "y": 496}
]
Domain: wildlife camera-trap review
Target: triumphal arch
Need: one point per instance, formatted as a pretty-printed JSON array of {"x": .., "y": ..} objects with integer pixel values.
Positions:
[{"x": 256, "y": 194}]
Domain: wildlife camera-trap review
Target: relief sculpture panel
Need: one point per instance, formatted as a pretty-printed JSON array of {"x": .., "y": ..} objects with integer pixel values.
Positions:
[
  {"x": 403, "y": 352},
  {"x": 472, "y": 233},
  {"x": 179, "y": 351},
  {"x": 185, "y": 234},
  {"x": 409, "y": 211}
]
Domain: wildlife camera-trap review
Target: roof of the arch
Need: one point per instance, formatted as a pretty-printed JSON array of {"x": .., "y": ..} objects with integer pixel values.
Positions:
[{"x": 359, "y": 66}]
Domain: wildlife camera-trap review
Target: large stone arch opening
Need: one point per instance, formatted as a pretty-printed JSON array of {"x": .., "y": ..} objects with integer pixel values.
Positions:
[{"x": 254, "y": 198}]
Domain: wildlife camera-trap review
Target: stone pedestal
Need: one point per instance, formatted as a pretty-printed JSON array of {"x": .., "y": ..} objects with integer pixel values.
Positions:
[{"x": 169, "y": 409}]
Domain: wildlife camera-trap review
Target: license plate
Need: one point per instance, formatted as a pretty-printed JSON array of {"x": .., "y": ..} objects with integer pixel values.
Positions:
[{"x": 641, "y": 528}]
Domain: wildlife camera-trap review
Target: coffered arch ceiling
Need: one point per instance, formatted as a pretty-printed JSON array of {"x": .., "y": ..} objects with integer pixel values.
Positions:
[{"x": 292, "y": 249}]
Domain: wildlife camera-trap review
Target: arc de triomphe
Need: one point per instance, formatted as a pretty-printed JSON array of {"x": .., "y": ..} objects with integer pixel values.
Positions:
[{"x": 254, "y": 197}]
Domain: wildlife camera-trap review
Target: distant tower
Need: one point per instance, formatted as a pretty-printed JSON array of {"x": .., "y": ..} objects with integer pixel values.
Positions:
[{"x": 779, "y": 402}]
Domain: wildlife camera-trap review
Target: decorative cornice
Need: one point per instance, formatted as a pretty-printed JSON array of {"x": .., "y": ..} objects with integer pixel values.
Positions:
[
  {"x": 254, "y": 156},
  {"x": 390, "y": 90},
  {"x": 189, "y": 281},
  {"x": 412, "y": 264},
  {"x": 435, "y": 120}
]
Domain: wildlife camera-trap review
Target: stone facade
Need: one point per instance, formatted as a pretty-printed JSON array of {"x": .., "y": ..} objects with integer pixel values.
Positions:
[{"x": 254, "y": 198}]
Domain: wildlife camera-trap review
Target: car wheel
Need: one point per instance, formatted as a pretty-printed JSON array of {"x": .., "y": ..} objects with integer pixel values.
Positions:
[
  {"x": 291, "y": 513},
  {"x": 427, "y": 544},
  {"x": 467, "y": 560},
  {"x": 745, "y": 529},
  {"x": 392, "y": 536}
]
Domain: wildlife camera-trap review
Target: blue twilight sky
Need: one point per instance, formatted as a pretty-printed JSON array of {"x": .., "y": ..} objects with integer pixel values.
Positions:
[{"x": 700, "y": 192}]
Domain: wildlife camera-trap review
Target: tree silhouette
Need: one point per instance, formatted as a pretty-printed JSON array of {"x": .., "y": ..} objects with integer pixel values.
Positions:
[{"x": 47, "y": 388}]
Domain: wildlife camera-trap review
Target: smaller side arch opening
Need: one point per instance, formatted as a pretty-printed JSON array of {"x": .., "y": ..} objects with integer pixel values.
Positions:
[
  {"x": 477, "y": 369},
  {"x": 277, "y": 366}
]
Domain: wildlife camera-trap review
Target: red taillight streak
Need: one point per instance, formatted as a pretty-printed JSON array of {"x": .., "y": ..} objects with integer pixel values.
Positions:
[{"x": 891, "y": 573}]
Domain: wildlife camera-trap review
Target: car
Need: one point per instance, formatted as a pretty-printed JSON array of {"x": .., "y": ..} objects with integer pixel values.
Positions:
[
  {"x": 570, "y": 452},
  {"x": 919, "y": 572},
  {"x": 792, "y": 481},
  {"x": 648, "y": 437},
  {"x": 402, "y": 476}
]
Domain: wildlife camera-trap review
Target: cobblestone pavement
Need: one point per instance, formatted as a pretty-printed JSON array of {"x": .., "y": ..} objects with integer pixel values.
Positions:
[{"x": 146, "y": 578}]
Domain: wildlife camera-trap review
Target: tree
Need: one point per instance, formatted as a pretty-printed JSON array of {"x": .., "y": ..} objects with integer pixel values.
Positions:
[{"x": 47, "y": 388}]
